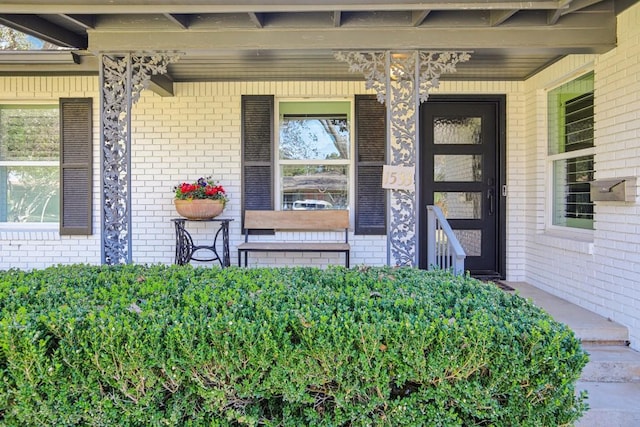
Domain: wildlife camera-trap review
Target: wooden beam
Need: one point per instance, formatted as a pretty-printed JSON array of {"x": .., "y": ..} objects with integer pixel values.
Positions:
[
  {"x": 257, "y": 19},
  {"x": 337, "y": 18},
  {"x": 579, "y": 5},
  {"x": 497, "y": 17},
  {"x": 161, "y": 85},
  {"x": 84, "y": 21},
  {"x": 599, "y": 37},
  {"x": 44, "y": 30},
  {"x": 418, "y": 17},
  {"x": 246, "y": 6},
  {"x": 182, "y": 21},
  {"x": 554, "y": 15}
]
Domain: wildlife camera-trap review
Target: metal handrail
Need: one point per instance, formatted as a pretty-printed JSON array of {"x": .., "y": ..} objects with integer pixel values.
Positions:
[{"x": 444, "y": 250}]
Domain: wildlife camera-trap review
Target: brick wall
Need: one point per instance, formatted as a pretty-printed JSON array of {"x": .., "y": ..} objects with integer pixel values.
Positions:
[
  {"x": 197, "y": 133},
  {"x": 41, "y": 246},
  {"x": 600, "y": 270}
]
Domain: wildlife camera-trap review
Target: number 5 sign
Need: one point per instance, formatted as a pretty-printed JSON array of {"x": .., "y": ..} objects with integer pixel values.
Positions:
[{"x": 398, "y": 177}]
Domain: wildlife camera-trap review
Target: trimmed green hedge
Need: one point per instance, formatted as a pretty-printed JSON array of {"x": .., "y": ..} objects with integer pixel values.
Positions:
[{"x": 183, "y": 346}]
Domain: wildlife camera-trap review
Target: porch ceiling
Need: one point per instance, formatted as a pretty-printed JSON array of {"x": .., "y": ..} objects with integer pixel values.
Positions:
[{"x": 295, "y": 39}]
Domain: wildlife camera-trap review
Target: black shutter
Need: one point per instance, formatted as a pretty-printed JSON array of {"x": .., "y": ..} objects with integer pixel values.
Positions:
[
  {"x": 371, "y": 200},
  {"x": 257, "y": 152},
  {"x": 76, "y": 217}
]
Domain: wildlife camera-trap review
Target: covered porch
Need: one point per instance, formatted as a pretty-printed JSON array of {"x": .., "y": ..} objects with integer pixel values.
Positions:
[{"x": 179, "y": 72}]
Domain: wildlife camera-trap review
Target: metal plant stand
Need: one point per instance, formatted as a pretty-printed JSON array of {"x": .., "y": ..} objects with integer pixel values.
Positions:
[{"x": 185, "y": 247}]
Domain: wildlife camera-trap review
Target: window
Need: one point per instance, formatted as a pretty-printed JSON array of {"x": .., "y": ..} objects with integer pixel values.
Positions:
[
  {"x": 314, "y": 154},
  {"x": 29, "y": 164},
  {"x": 571, "y": 124},
  {"x": 258, "y": 159}
]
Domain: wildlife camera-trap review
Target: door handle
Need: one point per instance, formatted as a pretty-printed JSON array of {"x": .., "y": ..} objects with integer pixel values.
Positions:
[{"x": 491, "y": 197}]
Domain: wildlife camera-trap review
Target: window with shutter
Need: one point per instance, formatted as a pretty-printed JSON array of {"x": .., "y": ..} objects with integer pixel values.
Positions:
[
  {"x": 370, "y": 141},
  {"x": 76, "y": 166},
  {"x": 257, "y": 152},
  {"x": 258, "y": 159}
]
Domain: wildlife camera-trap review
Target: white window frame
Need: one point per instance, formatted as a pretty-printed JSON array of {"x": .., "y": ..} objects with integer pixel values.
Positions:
[
  {"x": 561, "y": 230},
  {"x": 30, "y": 226},
  {"x": 276, "y": 149}
]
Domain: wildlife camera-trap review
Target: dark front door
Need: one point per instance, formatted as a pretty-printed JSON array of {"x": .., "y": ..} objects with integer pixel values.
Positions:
[{"x": 462, "y": 172}]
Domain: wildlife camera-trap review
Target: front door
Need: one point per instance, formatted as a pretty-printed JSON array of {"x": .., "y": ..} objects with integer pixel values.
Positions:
[{"x": 462, "y": 172}]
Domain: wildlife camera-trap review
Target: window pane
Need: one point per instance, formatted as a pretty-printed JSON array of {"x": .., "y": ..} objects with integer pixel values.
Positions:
[
  {"x": 457, "y": 130},
  {"x": 32, "y": 194},
  {"x": 317, "y": 138},
  {"x": 572, "y": 199},
  {"x": 457, "y": 168},
  {"x": 570, "y": 116},
  {"x": 29, "y": 133},
  {"x": 314, "y": 187},
  {"x": 459, "y": 205}
]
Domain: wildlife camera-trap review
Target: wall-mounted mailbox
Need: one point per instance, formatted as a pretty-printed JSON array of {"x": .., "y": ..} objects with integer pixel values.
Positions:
[{"x": 614, "y": 190}]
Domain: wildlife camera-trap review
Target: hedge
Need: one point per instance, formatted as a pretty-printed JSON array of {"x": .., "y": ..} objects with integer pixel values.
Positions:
[{"x": 182, "y": 346}]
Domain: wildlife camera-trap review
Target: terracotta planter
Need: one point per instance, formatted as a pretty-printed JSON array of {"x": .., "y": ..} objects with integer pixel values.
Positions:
[{"x": 199, "y": 208}]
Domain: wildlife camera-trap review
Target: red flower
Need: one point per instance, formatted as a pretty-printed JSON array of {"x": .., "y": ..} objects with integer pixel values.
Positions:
[
  {"x": 203, "y": 188},
  {"x": 187, "y": 188}
]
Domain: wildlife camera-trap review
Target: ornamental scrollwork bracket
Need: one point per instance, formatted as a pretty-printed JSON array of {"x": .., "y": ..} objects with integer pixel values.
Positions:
[
  {"x": 123, "y": 76},
  {"x": 402, "y": 81}
]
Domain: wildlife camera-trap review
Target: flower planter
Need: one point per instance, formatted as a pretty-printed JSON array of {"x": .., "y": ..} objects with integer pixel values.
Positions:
[{"x": 199, "y": 208}]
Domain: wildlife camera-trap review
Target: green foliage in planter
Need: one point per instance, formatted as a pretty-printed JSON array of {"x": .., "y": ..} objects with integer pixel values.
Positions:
[{"x": 182, "y": 346}]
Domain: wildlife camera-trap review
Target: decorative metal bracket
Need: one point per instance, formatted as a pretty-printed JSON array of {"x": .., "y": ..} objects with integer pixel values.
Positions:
[
  {"x": 402, "y": 81},
  {"x": 123, "y": 76}
]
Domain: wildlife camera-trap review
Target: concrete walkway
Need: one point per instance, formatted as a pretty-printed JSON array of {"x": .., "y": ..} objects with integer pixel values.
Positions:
[{"x": 612, "y": 376}]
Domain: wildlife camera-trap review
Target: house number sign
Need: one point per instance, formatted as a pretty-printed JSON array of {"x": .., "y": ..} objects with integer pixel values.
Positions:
[{"x": 398, "y": 177}]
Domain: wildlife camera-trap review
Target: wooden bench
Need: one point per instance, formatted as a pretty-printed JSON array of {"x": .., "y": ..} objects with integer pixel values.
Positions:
[{"x": 304, "y": 220}]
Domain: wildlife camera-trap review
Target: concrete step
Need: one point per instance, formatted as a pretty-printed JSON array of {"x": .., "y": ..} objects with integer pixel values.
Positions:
[
  {"x": 613, "y": 364},
  {"x": 610, "y": 404},
  {"x": 612, "y": 376}
]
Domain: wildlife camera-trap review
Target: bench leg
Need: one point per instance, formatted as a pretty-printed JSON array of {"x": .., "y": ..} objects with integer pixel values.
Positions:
[{"x": 240, "y": 258}]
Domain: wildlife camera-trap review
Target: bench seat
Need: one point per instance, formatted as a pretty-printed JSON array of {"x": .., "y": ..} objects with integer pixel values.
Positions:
[
  {"x": 305, "y": 221},
  {"x": 293, "y": 247}
]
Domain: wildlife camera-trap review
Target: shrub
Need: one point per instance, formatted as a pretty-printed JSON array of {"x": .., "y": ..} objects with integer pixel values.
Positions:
[{"x": 168, "y": 346}]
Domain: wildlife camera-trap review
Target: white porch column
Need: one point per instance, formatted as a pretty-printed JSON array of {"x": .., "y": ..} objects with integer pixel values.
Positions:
[
  {"x": 122, "y": 77},
  {"x": 402, "y": 80}
]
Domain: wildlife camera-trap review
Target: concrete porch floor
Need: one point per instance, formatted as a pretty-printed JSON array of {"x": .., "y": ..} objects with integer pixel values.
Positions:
[
  {"x": 588, "y": 326},
  {"x": 612, "y": 376}
]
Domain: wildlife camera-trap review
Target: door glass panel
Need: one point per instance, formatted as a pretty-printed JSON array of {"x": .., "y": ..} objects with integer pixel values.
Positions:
[
  {"x": 457, "y": 168},
  {"x": 457, "y": 130},
  {"x": 470, "y": 240},
  {"x": 459, "y": 205}
]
